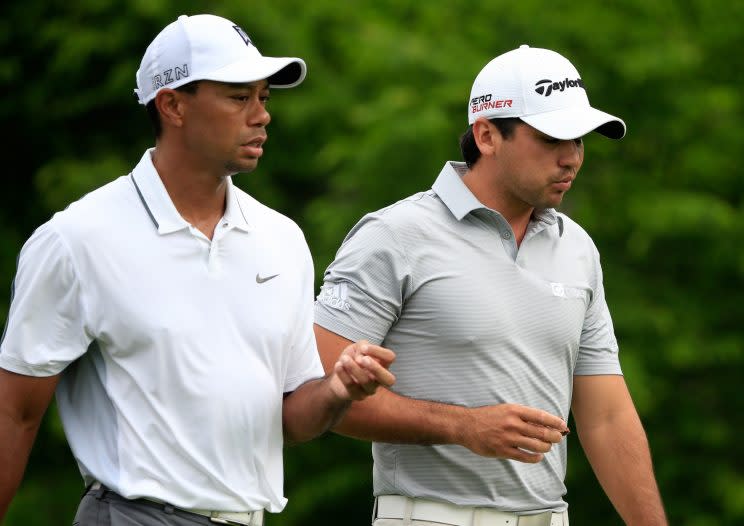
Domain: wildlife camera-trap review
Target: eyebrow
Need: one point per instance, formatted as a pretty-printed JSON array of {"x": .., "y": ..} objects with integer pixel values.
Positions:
[{"x": 541, "y": 135}]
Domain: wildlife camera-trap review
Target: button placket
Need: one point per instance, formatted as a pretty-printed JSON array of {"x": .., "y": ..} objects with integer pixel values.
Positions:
[
  {"x": 214, "y": 256},
  {"x": 507, "y": 237}
]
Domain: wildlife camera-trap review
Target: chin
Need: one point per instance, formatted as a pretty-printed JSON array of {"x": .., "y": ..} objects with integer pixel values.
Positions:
[
  {"x": 555, "y": 201},
  {"x": 243, "y": 167}
]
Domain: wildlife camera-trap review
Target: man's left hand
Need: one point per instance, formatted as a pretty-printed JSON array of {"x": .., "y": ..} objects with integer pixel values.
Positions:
[{"x": 360, "y": 370}]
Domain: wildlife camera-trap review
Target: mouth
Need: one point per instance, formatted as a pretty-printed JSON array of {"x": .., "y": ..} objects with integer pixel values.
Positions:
[
  {"x": 254, "y": 148},
  {"x": 563, "y": 186}
]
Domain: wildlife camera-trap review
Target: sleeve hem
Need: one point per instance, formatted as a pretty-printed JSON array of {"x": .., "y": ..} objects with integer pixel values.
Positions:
[
  {"x": 326, "y": 321},
  {"x": 17, "y": 366},
  {"x": 596, "y": 369},
  {"x": 293, "y": 383}
]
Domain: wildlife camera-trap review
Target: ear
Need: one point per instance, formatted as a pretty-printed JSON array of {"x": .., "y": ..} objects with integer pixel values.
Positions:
[
  {"x": 170, "y": 105},
  {"x": 487, "y": 137}
]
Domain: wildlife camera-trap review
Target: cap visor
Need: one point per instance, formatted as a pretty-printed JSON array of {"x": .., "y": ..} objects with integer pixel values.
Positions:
[
  {"x": 281, "y": 72},
  {"x": 571, "y": 123}
]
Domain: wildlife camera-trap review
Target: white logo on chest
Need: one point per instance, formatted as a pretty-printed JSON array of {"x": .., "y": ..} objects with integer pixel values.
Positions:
[{"x": 558, "y": 290}]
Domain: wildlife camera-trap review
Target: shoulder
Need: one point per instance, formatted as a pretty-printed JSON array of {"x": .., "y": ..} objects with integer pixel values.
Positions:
[
  {"x": 96, "y": 211},
  {"x": 411, "y": 207},
  {"x": 265, "y": 218},
  {"x": 99, "y": 203},
  {"x": 577, "y": 240},
  {"x": 573, "y": 230},
  {"x": 404, "y": 216}
]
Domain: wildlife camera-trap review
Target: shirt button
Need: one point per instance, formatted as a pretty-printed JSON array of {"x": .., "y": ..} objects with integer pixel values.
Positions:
[{"x": 506, "y": 235}]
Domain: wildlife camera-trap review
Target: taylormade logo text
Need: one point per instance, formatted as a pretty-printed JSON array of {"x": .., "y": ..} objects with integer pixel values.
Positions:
[{"x": 547, "y": 86}]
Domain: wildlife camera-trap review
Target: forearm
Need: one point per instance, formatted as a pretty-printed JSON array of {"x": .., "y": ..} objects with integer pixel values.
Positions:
[
  {"x": 16, "y": 439},
  {"x": 502, "y": 430},
  {"x": 389, "y": 417},
  {"x": 317, "y": 405},
  {"x": 23, "y": 400},
  {"x": 311, "y": 410},
  {"x": 619, "y": 454}
]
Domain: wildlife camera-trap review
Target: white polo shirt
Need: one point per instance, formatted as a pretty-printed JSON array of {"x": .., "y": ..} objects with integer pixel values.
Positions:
[{"x": 175, "y": 350}]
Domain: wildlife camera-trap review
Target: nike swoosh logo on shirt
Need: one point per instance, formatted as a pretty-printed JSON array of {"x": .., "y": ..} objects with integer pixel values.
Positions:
[{"x": 259, "y": 279}]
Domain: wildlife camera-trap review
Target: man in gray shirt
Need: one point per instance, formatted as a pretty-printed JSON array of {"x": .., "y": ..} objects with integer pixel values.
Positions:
[{"x": 494, "y": 304}]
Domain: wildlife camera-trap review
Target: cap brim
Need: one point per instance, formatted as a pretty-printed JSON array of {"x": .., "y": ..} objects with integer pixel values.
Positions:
[
  {"x": 281, "y": 72},
  {"x": 572, "y": 123}
]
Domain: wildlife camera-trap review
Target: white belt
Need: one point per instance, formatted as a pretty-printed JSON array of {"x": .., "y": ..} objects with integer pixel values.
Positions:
[
  {"x": 246, "y": 518},
  {"x": 399, "y": 507}
]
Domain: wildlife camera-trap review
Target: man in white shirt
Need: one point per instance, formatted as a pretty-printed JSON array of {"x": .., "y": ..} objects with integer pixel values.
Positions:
[{"x": 172, "y": 312}]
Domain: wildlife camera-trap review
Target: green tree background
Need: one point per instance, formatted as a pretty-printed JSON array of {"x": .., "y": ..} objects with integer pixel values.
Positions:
[{"x": 380, "y": 112}]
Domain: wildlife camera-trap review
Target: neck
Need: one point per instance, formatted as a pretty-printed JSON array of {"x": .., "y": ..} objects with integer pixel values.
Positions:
[
  {"x": 484, "y": 184},
  {"x": 198, "y": 194}
]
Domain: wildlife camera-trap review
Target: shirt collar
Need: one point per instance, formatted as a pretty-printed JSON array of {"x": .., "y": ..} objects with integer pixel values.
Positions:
[
  {"x": 550, "y": 217},
  {"x": 160, "y": 207},
  {"x": 453, "y": 192},
  {"x": 237, "y": 210},
  {"x": 461, "y": 201}
]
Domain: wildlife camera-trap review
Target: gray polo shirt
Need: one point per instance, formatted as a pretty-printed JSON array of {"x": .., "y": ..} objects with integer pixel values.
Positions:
[{"x": 475, "y": 321}]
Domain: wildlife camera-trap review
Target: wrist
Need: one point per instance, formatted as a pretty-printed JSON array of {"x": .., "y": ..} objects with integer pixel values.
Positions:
[
  {"x": 337, "y": 395},
  {"x": 465, "y": 424}
]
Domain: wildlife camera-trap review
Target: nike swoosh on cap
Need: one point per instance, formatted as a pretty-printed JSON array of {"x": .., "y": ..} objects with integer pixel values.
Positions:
[{"x": 259, "y": 279}]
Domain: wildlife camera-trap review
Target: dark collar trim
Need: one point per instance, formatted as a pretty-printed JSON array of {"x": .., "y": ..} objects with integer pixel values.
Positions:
[{"x": 144, "y": 203}]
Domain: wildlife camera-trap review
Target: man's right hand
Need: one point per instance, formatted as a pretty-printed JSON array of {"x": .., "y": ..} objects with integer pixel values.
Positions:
[{"x": 512, "y": 431}]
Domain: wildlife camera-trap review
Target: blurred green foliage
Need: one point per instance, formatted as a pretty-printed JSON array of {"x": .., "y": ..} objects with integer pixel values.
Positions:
[{"x": 380, "y": 112}]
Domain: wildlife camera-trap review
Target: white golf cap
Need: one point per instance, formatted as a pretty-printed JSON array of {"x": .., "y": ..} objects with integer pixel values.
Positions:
[
  {"x": 209, "y": 47},
  {"x": 543, "y": 89}
]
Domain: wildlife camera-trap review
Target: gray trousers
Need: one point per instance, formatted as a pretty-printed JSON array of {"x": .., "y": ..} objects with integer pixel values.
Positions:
[{"x": 102, "y": 507}]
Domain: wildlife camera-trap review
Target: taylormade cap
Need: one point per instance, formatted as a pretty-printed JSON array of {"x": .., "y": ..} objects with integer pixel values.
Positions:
[
  {"x": 209, "y": 47},
  {"x": 543, "y": 89}
]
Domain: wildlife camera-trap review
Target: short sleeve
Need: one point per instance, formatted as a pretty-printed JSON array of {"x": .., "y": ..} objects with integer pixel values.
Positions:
[
  {"x": 365, "y": 287},
  {"x": 45, "y": 330},
  {"x": 304, "y": 362},
  {"x": 598, "y": 349}
]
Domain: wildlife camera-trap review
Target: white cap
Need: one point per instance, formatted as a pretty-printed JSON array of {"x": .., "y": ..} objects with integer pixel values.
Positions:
[
  {"x": 543, "y": 89},
  {"x": 208, "y": 47}
]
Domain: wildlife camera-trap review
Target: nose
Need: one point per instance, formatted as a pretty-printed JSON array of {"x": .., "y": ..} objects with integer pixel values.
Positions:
[
  {"x": 572, "y": 154},
  {"x": 261, "y": 117}
]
